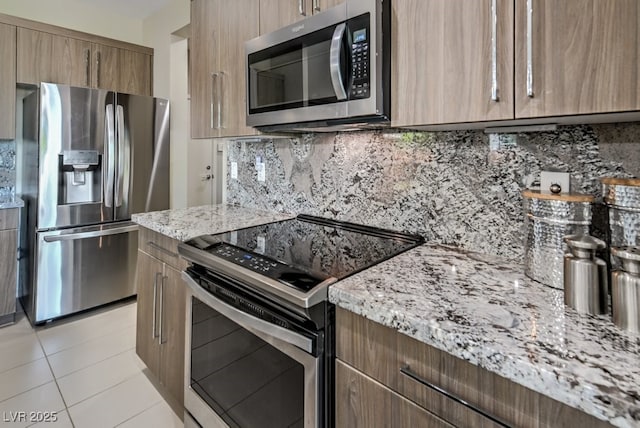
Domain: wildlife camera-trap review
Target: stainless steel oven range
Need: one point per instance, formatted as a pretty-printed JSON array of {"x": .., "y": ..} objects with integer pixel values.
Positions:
[{"x": 259, "y": 328}]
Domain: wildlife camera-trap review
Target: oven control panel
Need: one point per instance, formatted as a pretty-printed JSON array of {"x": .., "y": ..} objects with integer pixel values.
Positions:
[{"x": 265, "y": 266}]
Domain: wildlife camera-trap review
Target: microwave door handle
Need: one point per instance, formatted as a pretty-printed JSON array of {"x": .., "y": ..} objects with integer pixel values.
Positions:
[{"x": 334, "y": 62}]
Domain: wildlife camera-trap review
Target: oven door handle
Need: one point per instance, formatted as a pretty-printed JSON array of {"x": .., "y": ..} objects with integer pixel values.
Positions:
[{"x": 248, "y": 321}]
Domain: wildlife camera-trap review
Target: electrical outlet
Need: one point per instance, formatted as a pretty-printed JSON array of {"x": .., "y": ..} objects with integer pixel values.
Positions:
[
  {"x": 262, "y": 174},
  {"x": 234, "y": 170},
  {"x": 549, "y": 178}
]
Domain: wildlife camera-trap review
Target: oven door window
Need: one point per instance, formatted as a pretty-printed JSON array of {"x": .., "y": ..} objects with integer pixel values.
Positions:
[{"x": 245, "y": 380}]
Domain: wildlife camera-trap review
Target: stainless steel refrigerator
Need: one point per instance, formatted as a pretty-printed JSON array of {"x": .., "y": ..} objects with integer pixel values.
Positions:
[{"x": 89, "y": 159}]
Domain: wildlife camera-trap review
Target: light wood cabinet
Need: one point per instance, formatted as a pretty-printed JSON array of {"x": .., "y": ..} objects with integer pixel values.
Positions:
[
  {"x": 218, "y": 88},
  {"x": 585, "y": 57},
  {"x": 161, "y": 312},
  {"x": 7, "y": 82},
  {"x": 66, "y": 57},
  {"x": 411, "y": 370},
  {"x": 275, "y": 14},
  {"x": 8, "y": 263},
  {"x": 452, "y": 61},
  {"x": 45, "y": 57}
]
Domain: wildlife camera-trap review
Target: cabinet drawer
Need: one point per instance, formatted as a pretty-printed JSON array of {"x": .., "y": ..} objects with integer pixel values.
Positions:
[
  {"x": 161, "y": 247},
  {"x": 9, "y": 218},
  {"x": 439, "y": 382}
]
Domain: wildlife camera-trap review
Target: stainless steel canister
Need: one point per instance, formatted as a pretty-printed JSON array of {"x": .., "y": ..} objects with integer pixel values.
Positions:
[
  {"x": 625, "y": 289},
  {"x": 585, "y": 275},
  {"x": 548, "y": 219},
  {"x": 622, "y": 196}
]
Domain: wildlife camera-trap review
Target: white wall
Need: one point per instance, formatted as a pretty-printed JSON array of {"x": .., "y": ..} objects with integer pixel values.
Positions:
[
  {"x": 89, "y": 18},
  {"x": 170, "y": 81}
]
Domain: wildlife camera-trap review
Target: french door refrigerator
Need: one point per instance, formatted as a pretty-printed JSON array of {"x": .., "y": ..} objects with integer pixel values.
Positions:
[{"x": 89, "y": 159}]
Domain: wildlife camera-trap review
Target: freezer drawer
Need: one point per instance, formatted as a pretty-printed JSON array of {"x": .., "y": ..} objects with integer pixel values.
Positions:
[{"x": 82, "y": 268}]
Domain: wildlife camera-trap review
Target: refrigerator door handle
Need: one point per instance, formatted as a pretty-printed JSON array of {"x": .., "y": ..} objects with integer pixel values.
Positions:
[
  {"x": 110, "y": 140},
  {"x": 121, "y": 155},
  {"x": 91, "y": 233}
]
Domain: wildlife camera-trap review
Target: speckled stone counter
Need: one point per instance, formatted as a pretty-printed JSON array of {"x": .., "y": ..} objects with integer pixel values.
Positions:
[
  {"x": 11, "y": 202},
  {"x": 484, "y": 310},
  {"x": 187, "y": 223}
]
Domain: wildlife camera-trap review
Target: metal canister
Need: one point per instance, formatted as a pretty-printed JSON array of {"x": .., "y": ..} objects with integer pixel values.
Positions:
[
  {"x": 625, "y": 289},
  {"x": 549, "y": 218},
  {"x": 622, "y": 197},
  {"x": 585, "y": 275}
]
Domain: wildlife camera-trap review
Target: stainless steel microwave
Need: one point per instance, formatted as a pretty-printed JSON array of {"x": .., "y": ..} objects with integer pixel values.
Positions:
[{"x": 327, "y": 72}]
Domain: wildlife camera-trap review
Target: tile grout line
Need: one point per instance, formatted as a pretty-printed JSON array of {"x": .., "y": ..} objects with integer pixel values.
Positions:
[{"x": 66, "y": 408}]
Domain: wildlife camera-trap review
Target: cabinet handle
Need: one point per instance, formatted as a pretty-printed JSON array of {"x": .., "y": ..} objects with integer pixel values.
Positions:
[
  {"x": 302, "y": 7},
  {"x": 155, "y": 306},
  {"x": 494, "y": 51},
  {"x": 98, "y": 70},
  {"x": 162, "y": 249},
  {"x": 214, "y": 82},
  {"x": 411, "y": 374},
  {"x": 161, "y": 320},
  {"x": 221, "y": 97},
  {"x": 87, "y": 61},
  {"x": 530, "y": 48},
  {"x": 316, "y": 5}
]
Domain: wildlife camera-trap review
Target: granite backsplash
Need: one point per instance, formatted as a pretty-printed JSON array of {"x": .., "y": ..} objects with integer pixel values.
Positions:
[
  {"x": 461, "y": 188},
  {"x": 7, "y": 165}
]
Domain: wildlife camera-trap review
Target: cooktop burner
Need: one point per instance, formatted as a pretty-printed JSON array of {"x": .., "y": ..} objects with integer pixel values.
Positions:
[{"x": 306, "y": 251}]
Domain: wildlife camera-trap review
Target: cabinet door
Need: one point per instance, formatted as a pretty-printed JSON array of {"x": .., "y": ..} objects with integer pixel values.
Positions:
[
  {"x": 105, "y": 67},
  {"x": 584, "y": 57},
  {"x": 203, "y": 64},
  {"x": 322, "y": 5},
  {"x": 447, "y": 65},
  {"x": 363, "y": 402},
  {"x": 239, "y": 23},
  {"x": 8, "y": 262},
  {"x": 275, "y": 14},
  {"x": 173, "y": 322},
  {"x": 7, "y": 82},
  {"x": 44, "y": 57},
  {"x": 135, "y": 73},
  {"x": 148, "y": 280}
]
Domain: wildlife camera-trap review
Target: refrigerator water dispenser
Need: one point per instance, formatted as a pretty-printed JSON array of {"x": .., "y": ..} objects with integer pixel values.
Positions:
[{"x": 79, "y": 177}]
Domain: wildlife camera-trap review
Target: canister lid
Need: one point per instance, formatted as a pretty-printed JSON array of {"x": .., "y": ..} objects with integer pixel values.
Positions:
[
  {"x": 584, "y": 242},
  {"x": 568, "y": 197},
  {"x": 630, "y": 258}
]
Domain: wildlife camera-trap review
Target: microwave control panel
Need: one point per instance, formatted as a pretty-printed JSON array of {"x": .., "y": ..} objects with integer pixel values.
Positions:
[{"x": 360, "y": 63}]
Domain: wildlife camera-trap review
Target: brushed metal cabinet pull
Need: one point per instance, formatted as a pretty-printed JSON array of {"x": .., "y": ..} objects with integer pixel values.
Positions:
[
  {"x": 530, "y": 93},
  {"x": 221, "y": 97},
  {"x": 494, "y": 51},
  {"x": 98, "y": 69},
  {"x": 87, "y": 61},
  {"x": 161, "y": 320},
  {"x": 411, "y": 374},
  {"x": 316, "y": 5},
  {"x": 155, "y": 306},
  {"x": 302, "y": 7},
  {"x": 214, "y": 96}
]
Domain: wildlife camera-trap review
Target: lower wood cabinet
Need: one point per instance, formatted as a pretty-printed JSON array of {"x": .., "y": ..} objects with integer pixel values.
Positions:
[
  {"x": 161, "y": 313},
  {"x": 389, "y": 379},
  {"x": 8, "y": 263}
]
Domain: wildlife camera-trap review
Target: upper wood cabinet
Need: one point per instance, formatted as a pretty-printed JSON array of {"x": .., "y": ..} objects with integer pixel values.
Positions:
[
  {"x": 58, "y": 58},
  {"x": 451, "y": 61},
  {"x": 45, "y": 57},
  {"x": 584, "y": 57},
  {"x": 7, "y": 82},
  {"x": 276, "y": 14},
  {"x": 218, "y": 89}
]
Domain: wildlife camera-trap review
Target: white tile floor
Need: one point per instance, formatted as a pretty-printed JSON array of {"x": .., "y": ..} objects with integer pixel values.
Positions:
[{"x": 85, "y": 369}]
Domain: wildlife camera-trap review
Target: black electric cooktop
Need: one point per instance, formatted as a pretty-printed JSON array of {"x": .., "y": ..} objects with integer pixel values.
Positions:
[{"x": 305, "y": 251}]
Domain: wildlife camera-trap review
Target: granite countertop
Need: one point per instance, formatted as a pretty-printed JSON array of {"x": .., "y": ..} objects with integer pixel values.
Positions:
[
  {"x": 11, "y": 202},
  {"x": 486, "y": 311},
  {"x": 186, "y": 223}
]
